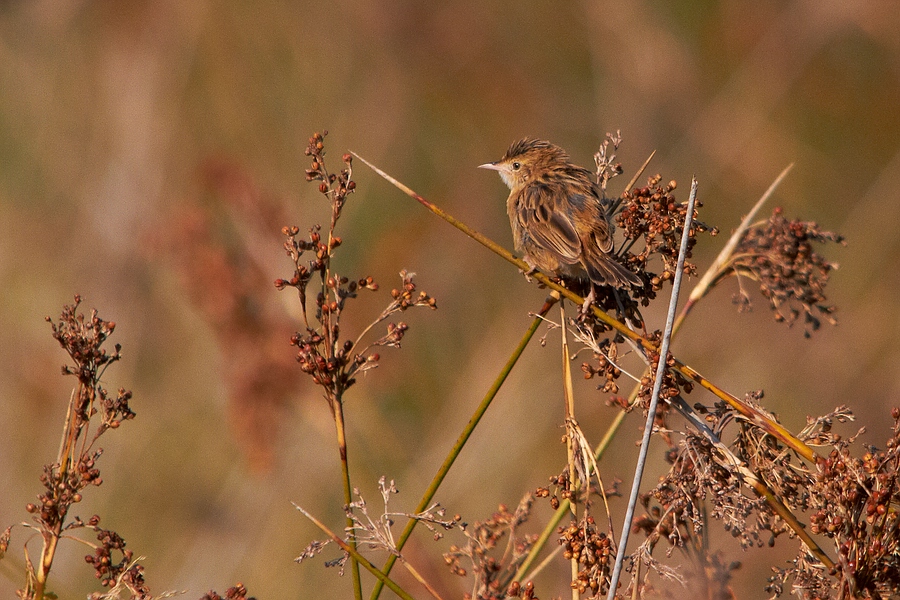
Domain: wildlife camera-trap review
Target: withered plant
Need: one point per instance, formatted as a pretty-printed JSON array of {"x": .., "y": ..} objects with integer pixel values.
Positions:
[
  {"x": 326, "y": 354},
  {"x": 92, "y": 412}
]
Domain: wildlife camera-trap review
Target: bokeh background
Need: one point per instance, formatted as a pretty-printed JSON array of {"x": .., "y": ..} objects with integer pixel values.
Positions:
[{"x": 150, "y": 152}]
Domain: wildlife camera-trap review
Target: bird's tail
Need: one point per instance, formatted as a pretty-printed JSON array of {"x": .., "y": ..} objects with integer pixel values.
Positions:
[{"x": 604, "y": 270}]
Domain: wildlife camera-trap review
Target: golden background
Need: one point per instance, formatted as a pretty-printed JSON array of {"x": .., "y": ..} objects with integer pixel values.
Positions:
[{"x": 120, "y": 121}]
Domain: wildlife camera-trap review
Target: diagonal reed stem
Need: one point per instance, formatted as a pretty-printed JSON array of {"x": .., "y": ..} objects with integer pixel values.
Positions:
[
  {"x": 749, "y": 412},
  {"x": 425, "y": 502}
]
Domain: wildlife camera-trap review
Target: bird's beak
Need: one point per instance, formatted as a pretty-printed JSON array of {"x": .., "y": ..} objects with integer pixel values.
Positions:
[{"x": 492, "y": 166}]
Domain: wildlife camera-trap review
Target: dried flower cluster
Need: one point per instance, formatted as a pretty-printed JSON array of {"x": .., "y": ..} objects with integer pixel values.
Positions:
[
  {"x": 334, "y": 362},
  {"x": 493, "y": 577},
  {"x": 854, "y": 502},
  {"x": 607, "y": 166},
  {"x": 238, "y": 592},
  {"x": 594, "y": 551},
  {"x": 850, "y": 499},
  {"x": 779, "y": 255},
  {"x": 124, "y": 574},
  {"x": 652, "y": 214},
  {"x": 607, "y": 355},
  {"x": 83, "y": 338}
]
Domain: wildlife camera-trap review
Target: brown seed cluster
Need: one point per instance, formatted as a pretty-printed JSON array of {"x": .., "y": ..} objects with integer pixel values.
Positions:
[
  {"x": 517, "y": 590},
  {"x": 112, "y": 573},
  {"x": 494, "y": 575},
  {"x": 855, "y": 503},
  {"x": 238, "y": 592},
  {"x": 779, "y": 255},
  {"x": 593, "y": 550},
  {"x": 606, "y": 368},
  {"x": 83, "y": 338},
  {"x": 334, "y": 361},
  {"x": 652, "y": 222},
  {"x": 559, "y": 488},
  {"x": 335, "y": 186},
  {"x": 652, "y": 214}
]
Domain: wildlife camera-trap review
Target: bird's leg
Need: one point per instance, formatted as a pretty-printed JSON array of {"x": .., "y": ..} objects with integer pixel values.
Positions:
[
  {"x": 586, "y": 307},
  {"x": 532, "y": 269}
]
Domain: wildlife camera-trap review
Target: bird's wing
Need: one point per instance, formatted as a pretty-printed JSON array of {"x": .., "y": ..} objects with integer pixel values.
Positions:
[{"x": 550, "y": 229}]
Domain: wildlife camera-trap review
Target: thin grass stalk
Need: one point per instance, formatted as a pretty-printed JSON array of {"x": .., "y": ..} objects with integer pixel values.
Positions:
[
  {"x": 383, "y": 579},
  {"x": 654, "y": 399},
  {"x": 432, "y": 489},
  {"x": 569, "y": 394},
  {"x": 65, "y": 460}
]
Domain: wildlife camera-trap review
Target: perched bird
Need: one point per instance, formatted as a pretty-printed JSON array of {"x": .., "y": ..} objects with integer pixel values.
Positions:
[{"x": 558, "y": 219}]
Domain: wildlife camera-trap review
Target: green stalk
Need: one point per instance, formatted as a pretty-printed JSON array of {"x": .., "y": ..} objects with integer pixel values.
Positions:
[{"x": 425, "y": 502}]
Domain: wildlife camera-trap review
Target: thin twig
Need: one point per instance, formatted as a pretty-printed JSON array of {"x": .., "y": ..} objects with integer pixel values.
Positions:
[
  {"x": 654, "y": 399},
  {"x": 569, "y": 394},
  {"x": 354, "y": 554}
]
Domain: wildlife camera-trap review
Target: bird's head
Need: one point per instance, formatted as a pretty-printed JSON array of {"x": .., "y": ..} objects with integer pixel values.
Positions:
[{"x": 526, "y": 161}]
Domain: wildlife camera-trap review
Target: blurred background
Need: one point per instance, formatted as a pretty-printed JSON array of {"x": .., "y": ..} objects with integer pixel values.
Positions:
[{"x": 151, "y": 151}]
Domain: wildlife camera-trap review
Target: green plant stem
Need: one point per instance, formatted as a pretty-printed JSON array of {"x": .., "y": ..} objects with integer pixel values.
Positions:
[
  {"x": 357, "y": 557},
  {"x": 753, "y": 415},
  {"x": 337, "y": 407},
  {"x": 425, "y": 502}
]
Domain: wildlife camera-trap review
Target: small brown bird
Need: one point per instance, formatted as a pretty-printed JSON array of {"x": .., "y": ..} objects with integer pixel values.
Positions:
[{"x": 558, "y": 218}]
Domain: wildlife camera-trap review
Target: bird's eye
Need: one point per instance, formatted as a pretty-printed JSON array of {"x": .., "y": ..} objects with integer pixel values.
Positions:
[{"x": 516, "y": 166}]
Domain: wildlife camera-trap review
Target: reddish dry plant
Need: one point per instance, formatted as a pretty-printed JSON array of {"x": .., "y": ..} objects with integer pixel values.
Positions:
[
  {"x": 653, "y": 215},
  {"x": 651, "y": 220},
  {"x": 219, "y": 251},
  {"x": 850, "y": 499},
  {"x": 593, "y": 549},
  {"x": 91, "y": 413},
  {"x": 854, "y": 501},
  {"x": 331, "y": 361},
  {"x": 493, "y": 575},
  {"x": 238, "y": 592},
  {"x": 779, "y": 255}
]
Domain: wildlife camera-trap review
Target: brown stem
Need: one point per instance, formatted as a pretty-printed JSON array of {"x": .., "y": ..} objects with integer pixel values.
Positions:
[{"x": 337, "y": 407}]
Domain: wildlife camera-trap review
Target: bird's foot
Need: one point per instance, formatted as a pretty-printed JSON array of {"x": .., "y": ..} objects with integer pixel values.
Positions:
[
  {"x": 532, "y": 269},
  {"x": 586, "y": 306}
]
